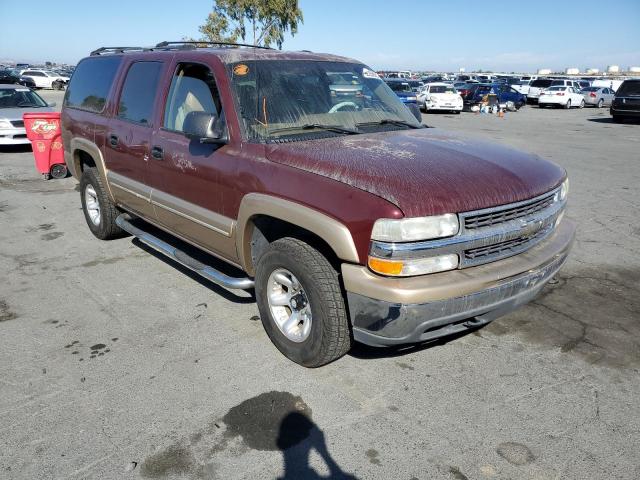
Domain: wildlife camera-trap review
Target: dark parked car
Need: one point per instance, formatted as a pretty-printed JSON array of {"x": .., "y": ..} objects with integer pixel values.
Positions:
[
  {"x": 351, "y": 224},
  {"x": 626, "y": 103},
  {"x": 404, "y": 89},
  {"x": 504, "y": 92},
  {"x": 8, "y": 77}
]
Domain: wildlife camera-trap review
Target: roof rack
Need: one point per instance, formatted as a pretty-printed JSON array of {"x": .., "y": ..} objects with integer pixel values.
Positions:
[
  {"x": 179, "y": 45},
  {"x": 197, "y": 43},
  {"x": 108, "y": 50}
]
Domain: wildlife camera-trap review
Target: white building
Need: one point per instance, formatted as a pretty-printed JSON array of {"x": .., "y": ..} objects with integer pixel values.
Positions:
[
  {"x": 572, "y": 71},
  {"x": 613, "y": 69},
  {"x": 544, "y": 71},
  {"x": 593, "y": 71},
  {"x": 634, "y": 69}
]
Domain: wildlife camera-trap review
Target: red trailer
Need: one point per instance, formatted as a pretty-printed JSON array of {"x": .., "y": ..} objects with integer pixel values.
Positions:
[{"x": 43, "y": 130}]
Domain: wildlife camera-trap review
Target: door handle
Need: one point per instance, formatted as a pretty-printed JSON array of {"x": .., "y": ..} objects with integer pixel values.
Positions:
[
  {"x": 157, "y": 152},
  {"x": 113, "y": 140}
]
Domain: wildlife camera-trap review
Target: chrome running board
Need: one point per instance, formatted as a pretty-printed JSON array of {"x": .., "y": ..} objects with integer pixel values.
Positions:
[{"x": 206, "y": 271}]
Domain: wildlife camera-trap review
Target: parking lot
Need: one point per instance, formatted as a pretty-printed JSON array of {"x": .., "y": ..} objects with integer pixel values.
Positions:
[{"x": 116, "y": 363}]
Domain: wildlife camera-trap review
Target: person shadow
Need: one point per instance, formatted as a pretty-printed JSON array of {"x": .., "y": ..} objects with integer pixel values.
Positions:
[{"x": 298, "y": 435}]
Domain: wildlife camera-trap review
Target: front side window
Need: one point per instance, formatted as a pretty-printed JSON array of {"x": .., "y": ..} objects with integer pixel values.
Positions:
[
  {"x": 299, "y": 98},
  {"x": 139, "y": 92},
  {"x": 193, "y": 89}
]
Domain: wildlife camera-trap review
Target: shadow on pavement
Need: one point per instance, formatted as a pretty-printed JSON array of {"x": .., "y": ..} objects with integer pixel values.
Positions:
[
  {"x": 299, "y": 435},
  {"x": 365, "y": 352},
  {"x": 629, "y": 121},
  {"x": 215, "y": 263}
]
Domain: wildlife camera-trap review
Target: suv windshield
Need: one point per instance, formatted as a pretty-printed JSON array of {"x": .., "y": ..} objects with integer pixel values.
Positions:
[
  {"x": 303, "y": 97},
  {"x": 629, "y": 88},
  {"x": 20, "y": 98}
]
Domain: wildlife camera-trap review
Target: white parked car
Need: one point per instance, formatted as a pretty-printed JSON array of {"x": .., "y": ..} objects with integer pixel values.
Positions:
[
  {"x": 15, "y": 101},
  {"x": 44, "y": 78},
  {"x": 440, "y": 96},
  {"x": 561, "y": 96}
]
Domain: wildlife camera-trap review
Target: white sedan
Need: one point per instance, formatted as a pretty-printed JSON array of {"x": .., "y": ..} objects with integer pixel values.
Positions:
[
  {"x": 561, "y": 96},
  {"x": 440, "y": 96},
  {"x": 44, "y": 78}
]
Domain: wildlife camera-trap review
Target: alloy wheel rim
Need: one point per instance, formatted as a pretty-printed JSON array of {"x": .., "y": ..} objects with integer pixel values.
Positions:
[
  {"x": 289, "y": 305},
  {"x": 92, "y": 204}
]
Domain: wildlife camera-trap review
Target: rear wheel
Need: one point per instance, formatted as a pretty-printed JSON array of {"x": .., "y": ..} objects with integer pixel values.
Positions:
[
  {"x": 301, "y": 303},
  {"x": 600, "y": 103},
  {"x": 99, "y": 211},
  {"x": 568, "y": 105}
]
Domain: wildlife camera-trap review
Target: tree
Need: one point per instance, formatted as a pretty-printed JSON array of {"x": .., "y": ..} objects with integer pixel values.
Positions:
[{"x": 259, "y": 22}]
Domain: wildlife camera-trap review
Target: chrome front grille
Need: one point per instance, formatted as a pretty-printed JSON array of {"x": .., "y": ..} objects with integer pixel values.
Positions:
[
  {"x": 511, "y": 247},
  {"x": 487, "y": 235},
  {"x": 493, "y": 217}
]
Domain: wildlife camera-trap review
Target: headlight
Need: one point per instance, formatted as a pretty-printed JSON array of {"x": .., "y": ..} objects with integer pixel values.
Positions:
[
  {"x": 5, "y": 123},
  {"x": 412, "y": 99},
  {"x": 413, "y": 229},
  {"x": 564, "y": 189},
  {"x": 418, "y": 266}
]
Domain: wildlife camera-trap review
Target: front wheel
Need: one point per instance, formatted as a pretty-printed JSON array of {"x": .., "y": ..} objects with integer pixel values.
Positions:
[
  {"x": 301, "y": 303},
  {"x": 568, "y": 105},
  {"x": 99, "y": 211},
  {"x": 581, "y": 104},
  {"x": 600, "y": 103}
]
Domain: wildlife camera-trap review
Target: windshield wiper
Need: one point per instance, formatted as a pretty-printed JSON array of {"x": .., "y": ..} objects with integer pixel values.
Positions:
[
  {"x": 389, "y": 121},
  {"x": 318, "y": 126}
]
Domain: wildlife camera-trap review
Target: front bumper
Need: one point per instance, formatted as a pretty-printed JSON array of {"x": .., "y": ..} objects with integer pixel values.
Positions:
[
  {"x": 440, "y": 106},
  {"x": 13, "y": 136},
  {"x": 392, "y": 311}
]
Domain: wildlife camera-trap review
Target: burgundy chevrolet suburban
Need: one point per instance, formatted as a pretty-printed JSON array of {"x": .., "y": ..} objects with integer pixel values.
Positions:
[{"x": 350, "y": 219}]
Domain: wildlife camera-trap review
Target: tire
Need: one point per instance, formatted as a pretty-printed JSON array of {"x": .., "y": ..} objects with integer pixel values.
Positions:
[
  {"x": 457, "y": 112},
  {"x": 568, "y": 105},
  {"x": 581, "y": 104},
  {"x": 329, "y": 335},
  {"x": 618, "y": 119},
  {"x": 105, "y": 227},
  {"x": 600, "y": 103}
]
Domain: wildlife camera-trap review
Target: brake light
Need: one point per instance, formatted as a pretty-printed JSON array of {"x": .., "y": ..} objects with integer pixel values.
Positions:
[
  {"x": 592, "y": 94},
  {"x": 560, "y": 94}
]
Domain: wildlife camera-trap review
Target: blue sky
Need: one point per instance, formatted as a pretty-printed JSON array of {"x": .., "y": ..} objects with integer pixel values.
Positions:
[{"x": 435, "y": 35}]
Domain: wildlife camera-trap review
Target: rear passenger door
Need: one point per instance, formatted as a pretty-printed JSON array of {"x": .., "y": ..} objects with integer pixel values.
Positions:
[
  {"x": 129, "y": 133},
  {"x": 188, "y": 194}
]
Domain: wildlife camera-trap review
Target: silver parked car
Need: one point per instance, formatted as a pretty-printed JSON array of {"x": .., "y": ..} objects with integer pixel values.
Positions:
[
  {"x": 597, "y": 96},
  {"x": 16, "y": 100}
]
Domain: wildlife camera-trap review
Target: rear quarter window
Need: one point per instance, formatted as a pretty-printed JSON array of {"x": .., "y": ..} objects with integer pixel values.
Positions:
[{"x": 90, "y": 84}]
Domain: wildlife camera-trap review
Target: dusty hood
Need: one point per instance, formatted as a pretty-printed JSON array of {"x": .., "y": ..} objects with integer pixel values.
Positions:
[{"x": 426, "y": 171}]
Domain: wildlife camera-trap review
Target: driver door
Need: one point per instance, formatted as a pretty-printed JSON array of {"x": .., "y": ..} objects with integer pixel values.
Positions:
[{"x": 188, "y": 195}]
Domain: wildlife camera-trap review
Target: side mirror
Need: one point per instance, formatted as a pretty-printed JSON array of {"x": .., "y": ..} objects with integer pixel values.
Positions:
[
  {"x": 203, "y": 126},
  {"x": 52, "y": 104}
]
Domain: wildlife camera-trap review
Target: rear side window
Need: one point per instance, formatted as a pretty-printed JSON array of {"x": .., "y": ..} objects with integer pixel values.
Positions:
[
  {"x": 541, "y": 83},
  {"x": 91, "y": 82},
  {"x": 139, "y": 92}
]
